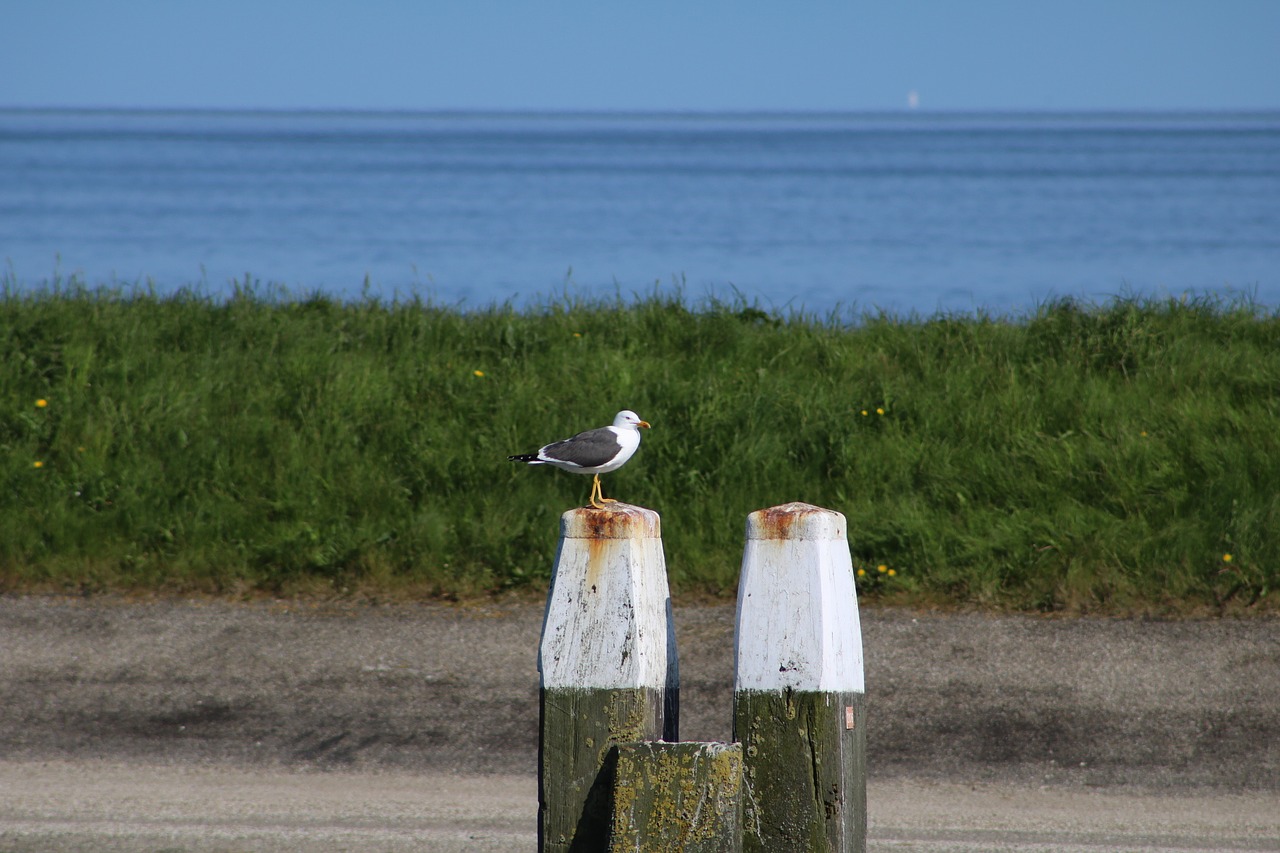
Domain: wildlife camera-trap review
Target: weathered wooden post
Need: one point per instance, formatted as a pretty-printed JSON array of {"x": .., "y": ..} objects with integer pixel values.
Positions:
[
  {"x": 677, "y": 796},
  {"x": 799, "y": 708},
  {"x": 608, "y": 665}
]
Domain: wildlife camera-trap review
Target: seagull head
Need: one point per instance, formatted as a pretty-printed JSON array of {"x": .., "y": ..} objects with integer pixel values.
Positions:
[{"x": 629, "y": 419}]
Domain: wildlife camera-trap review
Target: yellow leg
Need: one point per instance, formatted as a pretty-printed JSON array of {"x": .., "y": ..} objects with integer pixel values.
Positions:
[
  {"x": 600, "y": 494},
  {"x": 598, "y": 500}
]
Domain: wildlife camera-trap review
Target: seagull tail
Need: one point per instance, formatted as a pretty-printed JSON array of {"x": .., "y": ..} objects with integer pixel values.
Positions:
[{"x": 531, "y": 458}]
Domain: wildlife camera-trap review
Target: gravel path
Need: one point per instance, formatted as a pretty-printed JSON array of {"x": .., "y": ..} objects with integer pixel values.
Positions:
[{"x": 199, "y": 725}]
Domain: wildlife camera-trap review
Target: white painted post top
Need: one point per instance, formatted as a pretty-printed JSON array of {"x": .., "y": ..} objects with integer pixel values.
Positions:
[
  {"x": 608, "y": 621},
  {"x": 798, "y": 625},
  {"x": 619, "y": 521},
  {"x": 796, "y": 520}
]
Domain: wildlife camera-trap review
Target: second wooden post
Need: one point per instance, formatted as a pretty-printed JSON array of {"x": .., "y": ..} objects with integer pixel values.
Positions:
[{"x": 799, "y": 707}]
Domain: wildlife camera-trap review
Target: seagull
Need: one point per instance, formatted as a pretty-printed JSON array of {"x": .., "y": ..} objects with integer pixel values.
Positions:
[{"x": 596, "y": 451}]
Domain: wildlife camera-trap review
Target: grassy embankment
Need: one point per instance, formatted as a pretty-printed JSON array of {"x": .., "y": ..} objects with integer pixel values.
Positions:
[{"x": 1111, "y": 458}]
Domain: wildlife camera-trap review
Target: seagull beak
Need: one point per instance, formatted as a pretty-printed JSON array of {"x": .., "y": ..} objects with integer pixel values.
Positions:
[{"x": 644, "y": 424}]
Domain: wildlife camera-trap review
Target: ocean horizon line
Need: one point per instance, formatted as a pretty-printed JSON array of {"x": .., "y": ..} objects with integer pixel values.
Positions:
[{"x": 478, "y": 112}]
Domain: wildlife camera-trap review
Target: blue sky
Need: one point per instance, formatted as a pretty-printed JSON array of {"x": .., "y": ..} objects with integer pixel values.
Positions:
[{"x": 659, "y": 55}]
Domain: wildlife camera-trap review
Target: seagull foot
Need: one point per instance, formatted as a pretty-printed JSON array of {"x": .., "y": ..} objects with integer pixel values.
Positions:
[{"x": 597, "y": 493}]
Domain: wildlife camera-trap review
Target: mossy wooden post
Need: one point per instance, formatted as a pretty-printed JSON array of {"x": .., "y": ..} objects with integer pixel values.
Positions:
[
  {"x": 608, "y": 667},
  {"x": 799, "y": 707},
  {"x": 677, "y": 796}
]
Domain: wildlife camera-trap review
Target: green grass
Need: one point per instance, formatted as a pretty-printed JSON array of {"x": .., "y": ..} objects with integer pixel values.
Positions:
[{"x": 1086, "y": 458}]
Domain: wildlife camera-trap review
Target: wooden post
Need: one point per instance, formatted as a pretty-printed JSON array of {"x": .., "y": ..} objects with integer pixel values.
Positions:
[
  {"x": 799, "y": 707},
  {"x": 677, "y": 796},
  {"x": 608, "y": 667}
]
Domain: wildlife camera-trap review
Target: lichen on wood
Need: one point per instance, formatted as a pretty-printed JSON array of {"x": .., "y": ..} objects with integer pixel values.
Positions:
[{"x": 677, "y": 796}]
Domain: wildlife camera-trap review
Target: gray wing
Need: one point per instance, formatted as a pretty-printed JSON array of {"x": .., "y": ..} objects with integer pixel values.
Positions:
[{"x": 586, "y": 449}]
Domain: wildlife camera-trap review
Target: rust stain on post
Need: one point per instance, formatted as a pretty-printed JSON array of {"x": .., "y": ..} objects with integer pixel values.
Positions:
[
  {"x": 604, "y": 529},
  {"x": 597, "y": 561},
  {"x": 796, "y": 520},
  {"x": 606, "y": 524},
  {"x": 775, "y": 522},
  {"x": 618, "y": 521}
]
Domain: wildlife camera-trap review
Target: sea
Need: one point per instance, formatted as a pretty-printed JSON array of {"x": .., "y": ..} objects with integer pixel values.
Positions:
[{"x": 830, "y": 214}]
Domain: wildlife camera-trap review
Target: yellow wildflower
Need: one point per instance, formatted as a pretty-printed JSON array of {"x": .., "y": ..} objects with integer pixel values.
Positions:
[
  {"x": 882, "y": 568},
  {"x": 1226, "y": 558},
  {"x": 37, "y": 464},
  {"x": 880, "y": 410},
  {"x": 478, "y": 373},
  {"x": 41, "y": 403}
]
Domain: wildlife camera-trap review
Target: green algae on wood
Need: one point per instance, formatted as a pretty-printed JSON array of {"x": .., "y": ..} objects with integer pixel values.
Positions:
[
  {"x": 804, "y": 754},
  {"x": 677, "y": 796}
]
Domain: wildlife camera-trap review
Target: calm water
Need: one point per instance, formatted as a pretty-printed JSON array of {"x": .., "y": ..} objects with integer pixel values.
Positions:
[{"x": 906, "y": 212}]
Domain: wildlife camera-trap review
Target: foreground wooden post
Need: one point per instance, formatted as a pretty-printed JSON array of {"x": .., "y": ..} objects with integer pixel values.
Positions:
[
  {"x": 677, "y": 796},
  {"x": 608, "y": 667},
  {"x": 799, "y": 707}
]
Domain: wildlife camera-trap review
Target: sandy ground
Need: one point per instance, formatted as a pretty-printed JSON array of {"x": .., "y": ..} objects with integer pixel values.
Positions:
[
  {"x": 100, "y": 806},
  {"x": 205, "y": 726}
]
